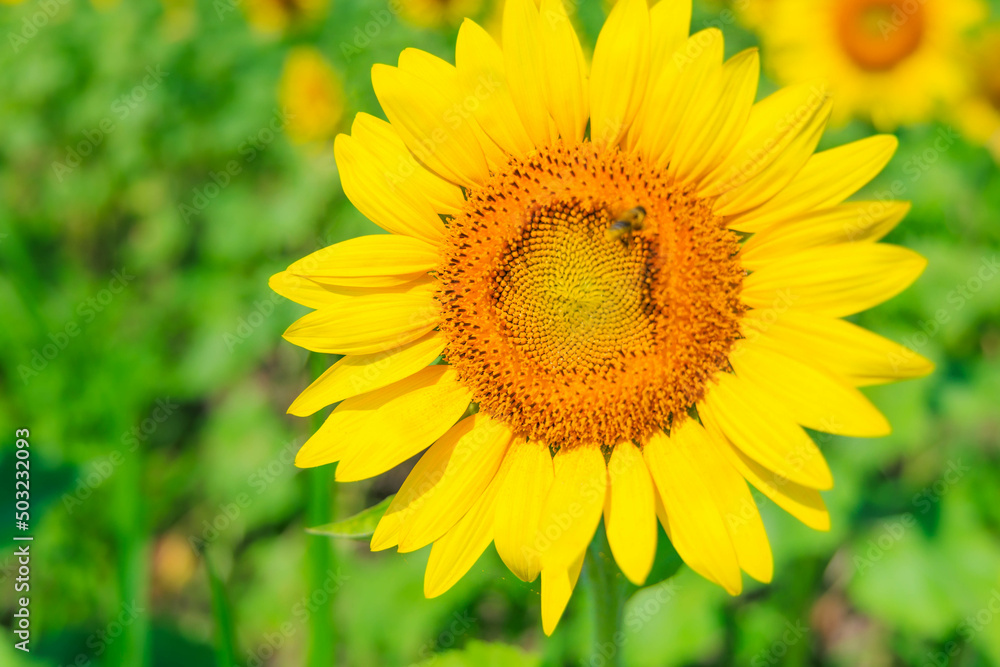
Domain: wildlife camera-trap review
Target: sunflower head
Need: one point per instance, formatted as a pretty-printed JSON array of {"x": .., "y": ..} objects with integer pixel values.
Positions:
[
  {"x": 612, "y": 290},
  {"x": 891, "y": 61}
]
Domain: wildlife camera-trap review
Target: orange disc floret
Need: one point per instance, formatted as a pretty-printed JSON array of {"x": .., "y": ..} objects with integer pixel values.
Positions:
[{"x": 580, "y": 282}]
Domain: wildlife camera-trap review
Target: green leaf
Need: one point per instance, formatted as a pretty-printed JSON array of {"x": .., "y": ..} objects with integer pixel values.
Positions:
[{"x": 357, "y": 527}]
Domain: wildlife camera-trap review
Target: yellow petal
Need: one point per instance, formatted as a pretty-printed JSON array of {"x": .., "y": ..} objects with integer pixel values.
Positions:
[
  {"x": 697, "y": 529},
  {"x": 565, "y": 71},
  {"x": 845, "y": 349},
  {"x": 459, "y": 549},
  {"x": 732, "y": 497},
  {"x": 693, "y": 67},
  {"x": 557, "y": 587},
  {"x": 810, "y": 396},
  {"x": 524, "y": 55},
  {"x": 302, "y": 290},
  {"x": 334, "y": 439},
  {"x": 525, "y": 488},
  {"x": 620, "y": 72},
  {"x": 400, "y": 429},
  {"x": 780, "y": 135},
  {"x": 480, "y": 65},
  {"x": 855, "y": 222},
  {"x": 477, "y": 445},
  {"x": 574, "y": 504},
  {"x": 357, "y": 374},
  {"x": 380, "y": 260},
  {"x": 629, "y": 513},
  {"x": 836, "y": 280},
  {"x": 803, "y": 503},
  {"x": 827, "y": 179},
  {"x": 426, "y": 115},
  {"x": 366, "y": 324},
  {"x": 380, "y": 192},
  {"x": 716, "y": 119},
  {"x": 736, "y": 409},
  {"x": 401, "y": 170}
]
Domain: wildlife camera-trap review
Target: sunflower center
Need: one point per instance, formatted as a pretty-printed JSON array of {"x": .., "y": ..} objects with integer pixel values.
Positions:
[
  {"x": 879, "y": 34},
  {"x": 586, "y": 299}
]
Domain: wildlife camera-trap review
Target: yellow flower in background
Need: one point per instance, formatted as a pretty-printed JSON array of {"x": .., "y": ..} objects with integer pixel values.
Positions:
[
  {"x": 978, "y": 115},
  {"x": 311, "y": 95},
  {"x": 436, "y": 13},
  {"x": 752, "y": 13},
  {"x": 635, "y": 319},
  {"x": 892, "y": 61},
  {"x": 274, "y": 16}
]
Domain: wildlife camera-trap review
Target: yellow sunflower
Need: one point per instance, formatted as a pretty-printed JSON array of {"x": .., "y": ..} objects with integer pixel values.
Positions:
[
  {"x": 609, "y": 291},
  {"x": 978, "y": 115},
  {"x": 311, "y": 96},
  {"x": 275, "y": 16},
  {"x": 891, "y": 61},
  {"x": 436, "y": 13}
]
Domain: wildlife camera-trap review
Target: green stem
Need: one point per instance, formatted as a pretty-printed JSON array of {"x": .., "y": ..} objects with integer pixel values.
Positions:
[
  {"x": 319, "y": 510},
  {"x": 609, "y": 601}
]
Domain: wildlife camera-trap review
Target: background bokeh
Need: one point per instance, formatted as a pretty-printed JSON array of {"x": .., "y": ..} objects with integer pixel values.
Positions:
[{"x": 159, "y": 160}]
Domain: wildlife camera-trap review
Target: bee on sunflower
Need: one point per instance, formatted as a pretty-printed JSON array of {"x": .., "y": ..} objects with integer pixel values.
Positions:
[{"x": 611, "y": 291}]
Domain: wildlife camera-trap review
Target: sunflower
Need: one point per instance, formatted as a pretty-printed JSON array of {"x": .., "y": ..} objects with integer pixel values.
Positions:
[
  {"x": 311, "y": 95},
  {"x": 609, "y": 291},
  {"x": 275, "y": 16},
  {"x": 436, "y": 13},
  {"x": 978, "y": 114},
  {"x": 891, "y": 61}
]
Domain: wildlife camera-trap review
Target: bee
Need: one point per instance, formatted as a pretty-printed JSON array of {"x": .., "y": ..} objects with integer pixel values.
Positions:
[{"x": 630, "y": 221}]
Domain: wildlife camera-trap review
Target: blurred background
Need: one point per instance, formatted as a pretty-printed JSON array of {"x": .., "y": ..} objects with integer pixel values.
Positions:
[{"x": 159, "y": 160}]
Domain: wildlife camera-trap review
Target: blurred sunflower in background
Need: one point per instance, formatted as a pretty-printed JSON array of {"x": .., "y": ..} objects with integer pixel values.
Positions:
[
  {"x": 610, "y": 290},
  {"x": 311, "y": 95},
  {"x": 894, "y": 62},
  {"x": 437, "y": 13},
  {"x": 978, "y": 114},
  {"x": 276, "y": 16}
]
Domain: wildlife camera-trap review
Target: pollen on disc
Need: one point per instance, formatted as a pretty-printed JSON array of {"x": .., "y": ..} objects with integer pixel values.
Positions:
[{"x": 573, "y": 335}]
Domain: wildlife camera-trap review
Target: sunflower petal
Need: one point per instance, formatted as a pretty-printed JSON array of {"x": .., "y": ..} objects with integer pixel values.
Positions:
[
  {"x": 573, "y": 506},
  {"x": 304, "y": 291},
  {"x": 557, "y": 588},
  {"x": 455, "y": 553},
  {"x": 477, "y": 446},
  {"x": 855, "y": 222},
  {"x": 734, "y": 408},
  {"x": 422, "y": 112},
  {"x": 629, "y": 514},
  {"x": 480, "y": 65},
  {"x": 366, "y": 324},
  {"x": 525, "y": 489},
  {"x": 380, "y": 260},
  {"x": 810, "y": 396},
  {"x": 565, "y": 71},
  {"x": 620, "y": 72},
  {"x": 845, "y": 349},
  {"x": 827, "y": 179},
  {"x": 381, "y": 429},
  {"x": 357, "y": 374},
  {"x": 523, "y": 54},
  {"x": 697, "y": 529},
  {"x": 835, "y": 281}
]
